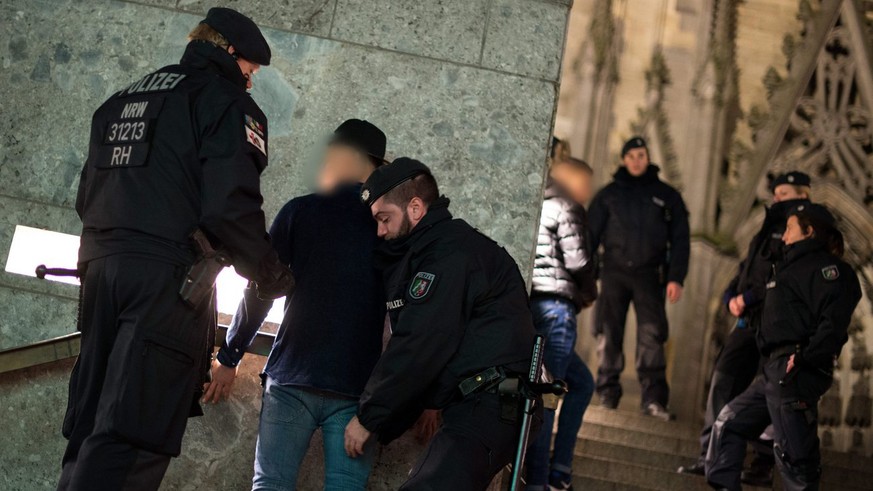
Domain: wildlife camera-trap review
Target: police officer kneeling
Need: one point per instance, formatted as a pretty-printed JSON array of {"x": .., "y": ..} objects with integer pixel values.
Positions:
[
  {"x": 460, "y": 326},
  {"x": 180, "y": 150},
  {"x": 807, "y": 310}
]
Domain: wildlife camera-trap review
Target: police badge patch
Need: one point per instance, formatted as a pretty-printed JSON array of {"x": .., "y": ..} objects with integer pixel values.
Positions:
[
  {"x": 255, "y": 134},
  {"x": 421, "y": 284},
  {"x": 830, "y": 273}
]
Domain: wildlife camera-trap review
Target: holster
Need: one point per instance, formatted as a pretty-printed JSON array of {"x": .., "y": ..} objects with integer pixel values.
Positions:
[
  {"x": 509, "y": 388},
  {"x": 200, "y": 278},
  {"x": 510, "y": 391}
]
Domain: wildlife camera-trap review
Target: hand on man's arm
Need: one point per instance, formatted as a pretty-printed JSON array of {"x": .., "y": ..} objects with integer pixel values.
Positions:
[
  {"x": 356, "y": 438},
  {"x": 221, "y": 384},
  {"x": 428, "y": 424}
]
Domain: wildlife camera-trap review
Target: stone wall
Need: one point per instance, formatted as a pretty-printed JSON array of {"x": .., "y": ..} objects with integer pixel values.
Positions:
[{"x": 467, "y": 86}]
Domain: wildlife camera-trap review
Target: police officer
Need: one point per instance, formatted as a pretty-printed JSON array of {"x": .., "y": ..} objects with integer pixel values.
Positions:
[
  {"x": 460, "y": 325},
  {"x": 807, "y": 310},
  {"x": 739, "y": 360},
  {"x": 642, "y": 224},
  {"x": 179, "y": 150}
]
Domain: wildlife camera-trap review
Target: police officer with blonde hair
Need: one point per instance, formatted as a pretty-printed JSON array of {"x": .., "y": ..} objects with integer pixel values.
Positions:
[{"x": 177, "y": 154}]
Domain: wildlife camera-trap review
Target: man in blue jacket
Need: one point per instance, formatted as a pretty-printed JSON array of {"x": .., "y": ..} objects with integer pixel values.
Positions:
[{"x": 331, "y": 335}]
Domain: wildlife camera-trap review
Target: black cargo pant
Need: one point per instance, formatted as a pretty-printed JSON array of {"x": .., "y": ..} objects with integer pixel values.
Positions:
[
  {"x": 133, "y": 385},
  {"x": 470, "y": 448},
  {"x": 735, "y": 369},
  {"x": 618, "y": 288},
  {"x": 793, "y": 410}
]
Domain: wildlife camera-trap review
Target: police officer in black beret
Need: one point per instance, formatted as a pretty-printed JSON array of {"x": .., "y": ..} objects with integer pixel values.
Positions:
[
  {"x": 460, "y": 326},
  {"x": 178, "y": 152},
  {"x": 739, "y": 360},
  {"x": 807, "y": 310},
  {"x": 642, "y": 224}
]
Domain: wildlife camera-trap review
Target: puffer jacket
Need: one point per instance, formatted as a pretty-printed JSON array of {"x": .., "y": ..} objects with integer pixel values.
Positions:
[{"x": 563, "y": 266}]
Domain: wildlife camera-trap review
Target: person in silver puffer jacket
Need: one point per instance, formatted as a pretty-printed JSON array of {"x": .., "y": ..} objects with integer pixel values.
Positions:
[{"x": 563, "y": 285}]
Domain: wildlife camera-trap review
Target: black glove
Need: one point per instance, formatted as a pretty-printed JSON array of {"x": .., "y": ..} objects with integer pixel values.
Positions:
[{"x": 280, "y": 285}]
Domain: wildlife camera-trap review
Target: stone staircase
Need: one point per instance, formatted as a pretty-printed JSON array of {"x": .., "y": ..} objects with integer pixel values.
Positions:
[{"x": 622, "y": 450}]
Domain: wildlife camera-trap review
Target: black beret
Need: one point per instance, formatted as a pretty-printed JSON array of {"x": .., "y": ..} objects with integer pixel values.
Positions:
[
  {"x": 241, "y": 32},
  {"x": 362, "y": 135},
  {"x": 635, "y": 142},
  {"x": 388, "y": 177},
  {"x": 817, "y": 214},
  {"x": 794, "y": 178}
]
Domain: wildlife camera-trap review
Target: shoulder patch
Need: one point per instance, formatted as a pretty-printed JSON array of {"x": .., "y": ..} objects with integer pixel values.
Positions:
[
  {"x": 831, "y": 272},
  {"x": 255, "y": 134},
  {"x": 421, "y": 285}
]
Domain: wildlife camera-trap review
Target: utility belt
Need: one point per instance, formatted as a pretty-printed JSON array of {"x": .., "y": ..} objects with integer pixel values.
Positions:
[
  {"x": 512, "y": 389},
  {"x": 496, "y": 380}
]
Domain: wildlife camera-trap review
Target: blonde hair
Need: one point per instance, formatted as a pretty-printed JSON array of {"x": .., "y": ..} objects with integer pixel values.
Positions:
[
  {"x": 204, "y": 32},
  {"x": 803, "y": 190}
]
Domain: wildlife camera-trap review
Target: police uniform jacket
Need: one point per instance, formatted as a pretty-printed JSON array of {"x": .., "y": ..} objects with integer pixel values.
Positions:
[
  {"x": 181, "y": 148},
  {"x": 563, "y": 267},
  {"x": 809, "y": 304},
  {"x": 765, "y": 250},
  {"x": 641, "y": 222},
  {"x": 457, "y": 305}
]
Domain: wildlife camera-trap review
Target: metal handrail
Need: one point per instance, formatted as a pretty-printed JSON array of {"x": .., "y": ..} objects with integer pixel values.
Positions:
[
  {"x": 68, "y": 346},
  {"x": 40, "y": 352}
]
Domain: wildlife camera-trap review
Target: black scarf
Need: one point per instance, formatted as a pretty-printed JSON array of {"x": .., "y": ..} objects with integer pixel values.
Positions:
[
  {"x": 203, "y": 55},
  {"x": 392, "y": 251}
]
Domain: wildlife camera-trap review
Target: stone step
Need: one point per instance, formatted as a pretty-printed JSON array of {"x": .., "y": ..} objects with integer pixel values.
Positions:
[
  {"x": 634, "y": 420},
  {"x": 612, "y": 451},
  {"x": 640, "y": 440},
  {"x": 840, "y": 461},
  {"x": 635, "y": 431},
  {"x": 584, "y": 483},
  {"x": 640, "y": 476},
  {"x": 625, "y": 460},
  {"x": 840, "y": 478}
]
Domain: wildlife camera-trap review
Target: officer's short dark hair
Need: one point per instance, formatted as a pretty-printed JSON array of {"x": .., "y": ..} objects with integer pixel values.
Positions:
[
  {"x": 827, "y": 233},
  {"x": 422, "y": 186}
]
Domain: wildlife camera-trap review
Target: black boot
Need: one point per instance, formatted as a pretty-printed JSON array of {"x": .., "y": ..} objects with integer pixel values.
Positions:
[
  {"x": 696, "y": 469},
  {"x": 760, "y": 472},
  {"x": 609, "y": 401}
]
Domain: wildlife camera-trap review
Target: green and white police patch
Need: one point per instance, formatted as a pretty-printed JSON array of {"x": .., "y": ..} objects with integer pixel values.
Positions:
[
  {"x": 830, "y": 273},
  {"x": 421, "y": 285}
]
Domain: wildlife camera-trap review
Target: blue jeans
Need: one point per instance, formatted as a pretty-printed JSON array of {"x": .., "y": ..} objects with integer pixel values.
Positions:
[
  {"x": 289, "y": 417},
  {"x": 556, "y": 320}
]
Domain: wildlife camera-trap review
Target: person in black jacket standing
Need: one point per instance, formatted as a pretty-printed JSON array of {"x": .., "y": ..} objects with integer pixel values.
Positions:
[
  {"x": 179, "y": 150},
  {"x": 739, "y": 360},
  {"x": 808, "y": 306},
  {"x": 563, "y": 285},
  {"x": 642, "y": 224},
  {"x": 460, "y": 325}
]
